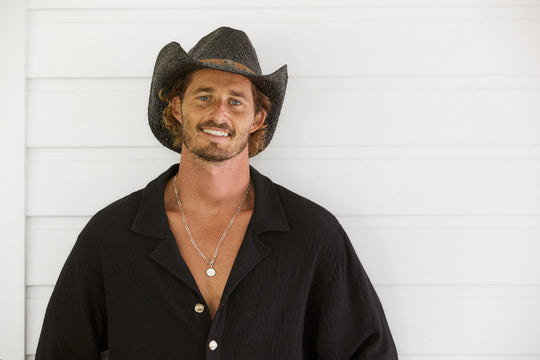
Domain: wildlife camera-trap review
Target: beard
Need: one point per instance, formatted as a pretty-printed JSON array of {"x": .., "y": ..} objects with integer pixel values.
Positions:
[{"x": 213, "y": 151}]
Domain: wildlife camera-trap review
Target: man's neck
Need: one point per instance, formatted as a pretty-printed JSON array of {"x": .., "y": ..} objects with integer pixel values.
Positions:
[{"x": 211, "y": 186}]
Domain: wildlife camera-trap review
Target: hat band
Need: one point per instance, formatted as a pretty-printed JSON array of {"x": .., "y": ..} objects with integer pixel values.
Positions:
[{"x": 228, "y": 63}]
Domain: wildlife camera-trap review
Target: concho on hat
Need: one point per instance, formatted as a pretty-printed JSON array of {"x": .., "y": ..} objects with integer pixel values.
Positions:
[{"x": 224, "y": 49}]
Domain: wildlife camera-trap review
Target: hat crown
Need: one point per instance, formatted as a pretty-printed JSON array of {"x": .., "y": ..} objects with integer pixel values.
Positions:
[{"x": 227, "y": 44}]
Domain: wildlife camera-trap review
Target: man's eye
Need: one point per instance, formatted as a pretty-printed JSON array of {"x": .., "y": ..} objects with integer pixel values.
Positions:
[
  {"x": 203, "y": 98},
  {"x": 236, "y": 102}
]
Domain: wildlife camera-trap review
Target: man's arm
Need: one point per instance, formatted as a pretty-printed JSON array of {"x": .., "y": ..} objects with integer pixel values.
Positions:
[
  {"x": 75, "y": 322},
  {"x": 351, "y": 322}
]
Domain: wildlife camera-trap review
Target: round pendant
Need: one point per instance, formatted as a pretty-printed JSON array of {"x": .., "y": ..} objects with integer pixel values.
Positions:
[{"x": 210, "y": 272}]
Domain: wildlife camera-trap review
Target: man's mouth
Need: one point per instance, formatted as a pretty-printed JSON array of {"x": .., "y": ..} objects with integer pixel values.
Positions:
[{"x": 216, "y": 132}]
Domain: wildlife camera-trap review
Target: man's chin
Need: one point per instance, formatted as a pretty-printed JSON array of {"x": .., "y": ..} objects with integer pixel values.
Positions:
[
  {"x": 214, "y": 154},
  {"x": 214, "y": 158}
]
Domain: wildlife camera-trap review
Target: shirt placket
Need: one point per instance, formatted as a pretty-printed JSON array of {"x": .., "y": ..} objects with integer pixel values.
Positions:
[
  {"x": 214, "y": 348},
  {"x": 251, "y": 252}
]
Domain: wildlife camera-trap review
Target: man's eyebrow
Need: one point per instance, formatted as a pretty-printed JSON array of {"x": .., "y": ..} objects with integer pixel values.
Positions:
[
  {"x": 238, "y": 94},
  {"x": 203, "y": 89},
  {"x": 211, "y": 89}
]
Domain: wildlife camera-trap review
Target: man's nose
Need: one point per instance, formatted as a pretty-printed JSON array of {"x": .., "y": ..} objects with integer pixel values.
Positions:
[{"x": 220, "y": 110}]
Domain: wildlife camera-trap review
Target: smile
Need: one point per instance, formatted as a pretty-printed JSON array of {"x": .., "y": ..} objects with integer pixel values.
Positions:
[{"x": 215, "y": 132}]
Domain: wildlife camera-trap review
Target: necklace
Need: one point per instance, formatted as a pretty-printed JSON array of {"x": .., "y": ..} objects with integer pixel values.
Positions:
[{"x": 210, "y": 271}]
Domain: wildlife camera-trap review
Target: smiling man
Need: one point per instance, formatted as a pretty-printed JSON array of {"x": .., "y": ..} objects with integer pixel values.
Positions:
[
  {"x": 225, "y": 103},
  {"x": 212, "y": 260}
]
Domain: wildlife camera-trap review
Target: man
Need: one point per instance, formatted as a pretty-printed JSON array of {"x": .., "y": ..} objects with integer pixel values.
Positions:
[{"x": 212, "y": 260}]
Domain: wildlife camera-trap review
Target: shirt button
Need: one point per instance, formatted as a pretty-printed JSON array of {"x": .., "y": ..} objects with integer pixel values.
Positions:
[
  {"x": 199, "y": 308},
  {"x": 212, "y": 345}
]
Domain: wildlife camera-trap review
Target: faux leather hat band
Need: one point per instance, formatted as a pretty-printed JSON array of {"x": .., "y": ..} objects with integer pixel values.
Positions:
[{"x": 228, "y": 63}]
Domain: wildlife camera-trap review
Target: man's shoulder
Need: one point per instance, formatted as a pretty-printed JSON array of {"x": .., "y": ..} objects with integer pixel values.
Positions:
[
  {"x": 291, "y": 198},
  {"x": 296, "y": 207},
  {"x": 303, "y": 211},
  {"x": 311, "y": 227},
  {"x": 119, "y": 213},
  {"x": 122, "y": 207}
]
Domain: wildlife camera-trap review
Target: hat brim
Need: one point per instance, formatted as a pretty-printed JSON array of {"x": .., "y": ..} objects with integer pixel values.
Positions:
[{"x": 173, "y": 62}]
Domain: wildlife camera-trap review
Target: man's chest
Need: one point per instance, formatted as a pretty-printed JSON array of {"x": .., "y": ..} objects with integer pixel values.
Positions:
[{"x": 209, "y": 250}]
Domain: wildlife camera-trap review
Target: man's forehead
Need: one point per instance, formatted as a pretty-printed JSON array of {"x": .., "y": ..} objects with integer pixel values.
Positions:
[{"x": 218, "y": 77}]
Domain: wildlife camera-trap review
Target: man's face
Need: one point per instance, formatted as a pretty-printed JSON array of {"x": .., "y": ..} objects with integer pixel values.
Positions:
[{"x": 217, "y": 115}]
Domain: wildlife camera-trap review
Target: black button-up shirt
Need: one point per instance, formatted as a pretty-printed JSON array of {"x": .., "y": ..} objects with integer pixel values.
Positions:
[{"x": 296, "y": 289}]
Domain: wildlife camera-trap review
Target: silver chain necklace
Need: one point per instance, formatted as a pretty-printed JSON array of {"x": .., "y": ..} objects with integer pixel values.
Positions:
[{"x": 210, "y": 271}]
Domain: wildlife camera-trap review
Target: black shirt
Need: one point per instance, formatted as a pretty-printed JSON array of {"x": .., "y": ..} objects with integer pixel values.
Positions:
[{"x": 296, "y": 289}]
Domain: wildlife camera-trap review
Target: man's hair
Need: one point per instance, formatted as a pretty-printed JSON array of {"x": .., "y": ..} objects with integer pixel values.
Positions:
[{"x": 261, "y": 102}]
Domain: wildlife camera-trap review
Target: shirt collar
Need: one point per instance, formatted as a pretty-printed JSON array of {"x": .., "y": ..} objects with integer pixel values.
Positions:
[{"x": 268, "y": 213}]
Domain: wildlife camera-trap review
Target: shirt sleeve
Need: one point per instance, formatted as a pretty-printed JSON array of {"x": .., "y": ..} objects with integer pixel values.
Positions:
[
  {"x": 351, "y": 322},
  {"x": 75, "y": 323}
]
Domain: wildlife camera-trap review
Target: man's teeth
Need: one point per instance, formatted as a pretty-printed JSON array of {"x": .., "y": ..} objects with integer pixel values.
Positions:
[{"x": 215, "y": 132}]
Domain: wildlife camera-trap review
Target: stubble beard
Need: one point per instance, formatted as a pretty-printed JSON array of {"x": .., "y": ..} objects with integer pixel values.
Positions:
[{"x": 213, "y": 152}]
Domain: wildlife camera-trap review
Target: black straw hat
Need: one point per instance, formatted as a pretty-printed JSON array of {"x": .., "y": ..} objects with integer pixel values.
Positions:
[{"x": 224, "y": 49}]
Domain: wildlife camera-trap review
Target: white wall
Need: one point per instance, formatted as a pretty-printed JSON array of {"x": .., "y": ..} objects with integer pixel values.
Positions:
[
  {"x": 416, "y": 122},
  {"x": 12, "y": 175}
]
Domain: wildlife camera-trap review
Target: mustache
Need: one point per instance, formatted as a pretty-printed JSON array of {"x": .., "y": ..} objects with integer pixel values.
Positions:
[{"x": 212, "y": 123}]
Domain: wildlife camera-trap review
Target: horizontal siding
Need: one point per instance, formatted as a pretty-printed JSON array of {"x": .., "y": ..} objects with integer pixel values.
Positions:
[
  {"x": 463, "y": 320},
  {"x": 296, "y": 14},
  {"x": 352, "y": 112},
  {"x": 130, "y": 4},
  {"x": 64, "y": 45},
  {"x": 378, "y": 186},
  {"x": 426, "y": 320}
]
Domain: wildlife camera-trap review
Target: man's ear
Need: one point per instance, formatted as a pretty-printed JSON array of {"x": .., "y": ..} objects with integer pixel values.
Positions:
[
  {"x": 176, "y": 108},
  {"x": 258, "y": 122}
]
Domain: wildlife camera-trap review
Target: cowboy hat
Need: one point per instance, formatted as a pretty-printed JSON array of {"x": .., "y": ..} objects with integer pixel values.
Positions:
[{"x": 224, "y": 49}]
